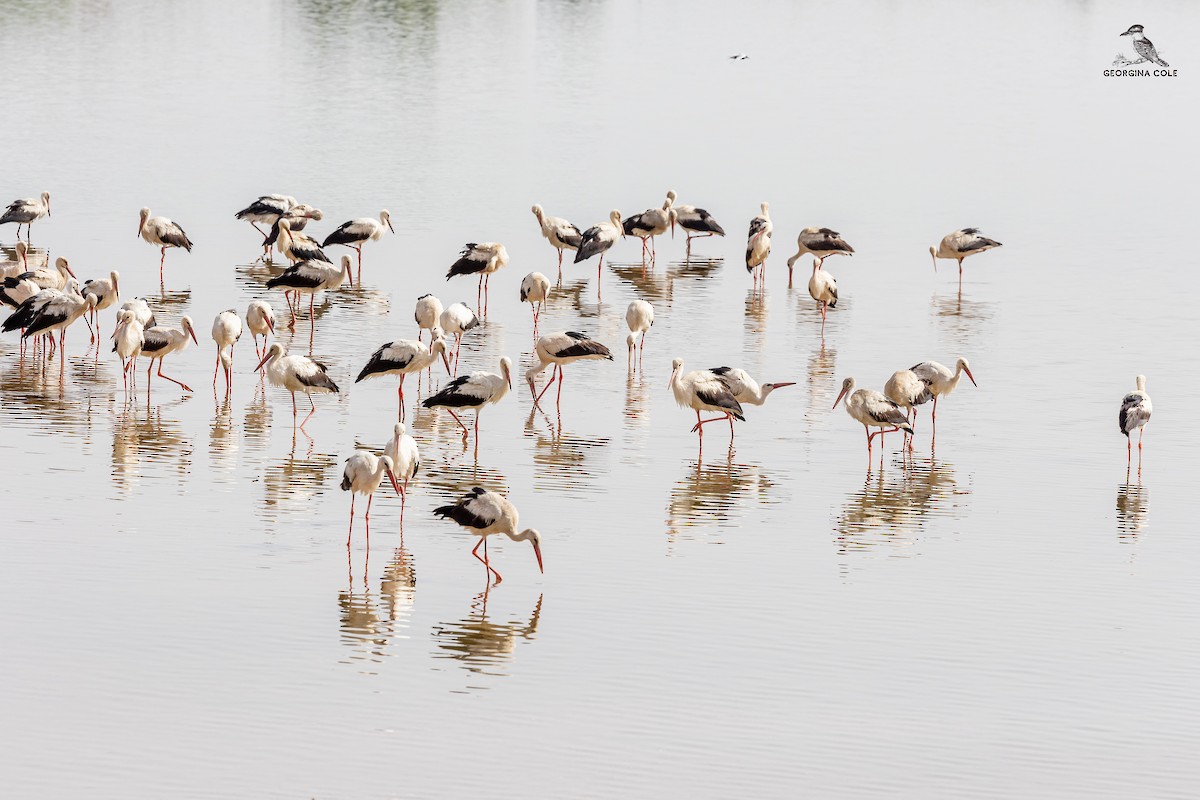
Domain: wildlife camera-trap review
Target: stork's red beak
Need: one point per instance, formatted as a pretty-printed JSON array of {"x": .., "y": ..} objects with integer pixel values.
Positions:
[
  {"x": 839, "y": 398},
  {"x": 395, "y": 485},
  {"x": 969, "y": 375},
  {"x": 537, "y": 551},
  {"x": 266, "y": 358}
]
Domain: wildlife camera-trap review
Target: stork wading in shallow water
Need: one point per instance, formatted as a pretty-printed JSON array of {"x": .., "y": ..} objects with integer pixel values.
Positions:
[
  {"x": 226, "y": 330},
  {"x": 260, "y": 319},
  {"x": 485, "y": 513},
  {"x": 823, "y": 288},
  {"x": 941, "y": 380},
  {"x": 358, "y": 232},
  {"x": 455, "y": 321},
  {"x": 57, "y": 313},
  {"x": 475, "y": 391},
  {"x": 25, "y": 212},
  {"x": 161, "y": 341},
  {"x": 650, "y": 223},
  {"x": 404, "y": 357},
  {"x": 267, "y": 209},
  {"x": 696, "y": 222},
  {"x": 821, "y": 243},
  {"x": 363, "y": 474},
  {"x": 128, "y": 338},
  {"x": 744, "y": 388},
  {"x": 535, "y": 288},
  {"x": 598, "y": 239},
  {"x": 428, "y": 315},
  {"x": 758, "y": 246},
  {"x": 639, "y": 317},
  {"x": 296, "y": 374},
  {"x": 297, "y": 218},
  {"x": 406, "y": 459},
  {"x": 560, "y": 349},
  {"x": 482, "y": 260},
  {"x": 1134, "y": 414},
  {"x": 162, "y": 233},
  {"x": 907, "y": 390},
  {"x": 310, "y": 277},
  {"x": 701, "y": 390},
  {"x": 873, "y": 410},
  {"x": 106, "y": 292},
  {"x": 960, "y": 244},
  {"x": 561, "y": 234}
]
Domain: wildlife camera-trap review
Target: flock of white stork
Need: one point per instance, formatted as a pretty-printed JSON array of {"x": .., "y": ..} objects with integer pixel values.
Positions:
[{"x": 49, "y": 299}]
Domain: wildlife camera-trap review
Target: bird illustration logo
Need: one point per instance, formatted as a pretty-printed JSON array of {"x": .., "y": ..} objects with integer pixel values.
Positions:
[{"x": 1142, "y": 46}]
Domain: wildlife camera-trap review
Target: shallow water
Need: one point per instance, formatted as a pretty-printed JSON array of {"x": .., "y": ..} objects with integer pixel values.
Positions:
[{"x": 1008, "y": 613}]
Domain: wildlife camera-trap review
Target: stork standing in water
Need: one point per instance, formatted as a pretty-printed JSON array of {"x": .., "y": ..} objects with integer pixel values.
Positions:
[
  {"x": 428, "y": 315},
  {"x": 821, "y": 243},
  {"x": 19, "y": 263},
  {"x": 406, "y": 460},
  {"x": 561, "y": 234},
  {"x": 310, "y": 277},
  {"x": 33, "y": 300},
  {"x": 535, "y": 288},
  {"x": 484, "y": 513},
  {"x": 267, "y": 209},
  {"x": 297, "y": 246},
  {"x": 697, "y": 222},
  {"x": 701, "y": 390},
  {"x": 1135, "y": 413},
  {"x": 455, "y": 321},
  {"x": 907, "y": 390},
  {"x": 474, "y": 391},
  {"x": 358, "y": 232},
  {"x": 57, "y": 314},
  {"x": 44, "y": 277},
  {"x": 127, "y": 344},
  {"x": 362, "y": 475},
  {"x": 960, "y": 244},
  {"x": 873, "y": 410},
  {"x": 941, "y": 380},
  {"x": 597, "y": 240},
  {"x": 141, "y": 311},
  {"x": 26, "y": 212},
  {"x": 106, "y": 292},
  {"x": 404, "y": 357},
  {"x": 226, "y": 330},
  {"x": 162, "y": 233},
  {"x": 161, "y": 341},
  {"x": 758, "y": 245},
  {"x": 744, "y": 388},
  {"x": 650, "y": 223},
  {"x": 482, "y": 260},
  {"x": 560, "y": 349},
  {"x": 296, "y": 374},
  {"x": 640, "y": 318},
  {"x": 260, "y": 319},
  {"x": 822, "y": 288},
  {"x": 297, "y": 217}
]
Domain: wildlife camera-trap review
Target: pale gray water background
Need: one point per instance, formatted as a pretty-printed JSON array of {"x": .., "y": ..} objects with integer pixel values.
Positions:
[{"x": 1007, "y": 618}]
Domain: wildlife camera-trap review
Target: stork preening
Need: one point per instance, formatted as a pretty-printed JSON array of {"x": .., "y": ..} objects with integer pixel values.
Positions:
[
  {"x": 758, "y": 245},
  {"x": 701, "y": 390},
  {"x": 296, "y": 246},
  {"x": 141, "y": 311},
  {"x": 226, "y": 330},
  {"x": 162, "y": 233},
  {"x": 535, "y": 288},
  {"x": 428, "y": 315},
  {"x": 823, "y": 288},
  {"x": 482, "y": 260},
  {"x": 560, "y": 349},
  {"x": 128, "y": 338},
  {"x": 650, "y": 223},
  {"x": 873, "y": 410},
  {"x": 358, "y": 232},
  {"x": 260, "y": 319},
  {"x": 908, "y": 390},
  {"x": 597, "y": 240},
  {"x": 820, "y": 243},
  {"x": 697, "y": 222},
  {"x": 363, "y": 473},
  {"x": 406, "y": 459},
  {"x": 942, "y": 380},
  {"x": 404, "y": 357},
  {"x": 639, "y": 316},
  {"x": 484, "y": 513},
  {"x": 455, "y": 321},
  {"x": 296, "y": 374},
  {"x": 106, "y": 292},
  {"x": 19, "y": 263},
  {"x": 561, "y": 234},
  {"x": 161, "y": 341},
  {"x": 475, "y": 391},
  {"x": 25, "y": 212},
  {"x": 960, "y": 244},
  {"x": 744, "y": 388},
  {"x": 1134, "y": 414}
]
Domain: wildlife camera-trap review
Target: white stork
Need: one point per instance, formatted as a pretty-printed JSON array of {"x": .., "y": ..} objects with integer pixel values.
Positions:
[
  {"x": 297, "y": 374},
  {"x": 362, "y": 475},
  {"x": 406, "y": 459},
  {"x": 404, "y": 357},
  {"x": 267, "y": 209},
  {"x": 226, "y": 330},
  {"x": 1135, "y": 413},
  {"x": 744, "y": 388},
  {"x": 19, "y": 263},
  {"x": 701, "y": 390},
  {"x": 160, "y": 341},
  {"x": 650, "y": 223},
  {"x": 297, "y": 246},
  {"x": 141, "y": 311},
  {"x": 561, "y": 234},
  {"x": 907, "y": 390},
  {"x": 482, "y": 260},
  {"x": 455, "y": 321},
  {"x": 941, "y": 379},
  {"x": 560, "y": 349},
  {"x": 106, "y": 292},
  {"x": 535, "y": 288},
  {"x": 696, "y": 222},
  {"x": 873, "y": 410},
  {"x": 821, "y": 243},
  {"x": 358, "y": 232},
  {"x": 310, "y": 277},
  {"x": 639, "y": 316},
  {"x": 484, "y": 513},
  {"x": 162, "y": 233},
  {"x": 474, "y": 391},
  {"x": 128, "y": 339},
  {"x": 260, "y": 319},
  {"x": 597, "y": 240},
  {"x": 428, "y": 314},
  {"x": 298, "y": 217},
  {"x": 45, "y": 276},
  {"x": 822, "y": 288},
  {"x": 758, "y": 245},
  {"x": 57, "y": 314},
  {"x": 26, "y": 212},
  {"x": 960, "y": 244}
]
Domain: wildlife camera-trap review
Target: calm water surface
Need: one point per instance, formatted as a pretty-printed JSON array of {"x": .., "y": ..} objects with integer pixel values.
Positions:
[{"x": 1011, "y": 614}]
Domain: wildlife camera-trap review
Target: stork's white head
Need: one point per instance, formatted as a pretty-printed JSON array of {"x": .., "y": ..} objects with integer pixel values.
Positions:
[
  {"x": 532, "y": 536},
  {"x": 398, "y": 430},
  {"x": 386, "y": 219},
  {"x": 676, "y": 365},
  {"x": 143, "y": 215},
  {"x": 276, "y": 350},
  {"x": 61, "y": 264},
  {"x": 963, "y": 366},
  {"x": 189, "y": 329},
  {"x": 631, "y": 342},
  {"x": 614, "y": 217},
  {"x": 115, "y": 277},
  {"x": 671, "y": 197},
  {"x": 762, "y": 208},
  {"x": 506, "y": 369},
  {"x": 46, "y": 202},
  {"x": 847, "y": 388},
  {"x": 385, "y": 463},
  {"x": 1141, "y": 383},
  {"x": 538, "y": 212},
  {"x": 347, "y": 266}
]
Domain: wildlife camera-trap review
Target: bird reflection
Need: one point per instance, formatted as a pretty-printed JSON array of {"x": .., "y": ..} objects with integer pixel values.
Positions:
[
  {"x": 175, "y": 302},
  {"x": 893, "y": 508},
  {"x": 715, "y": 495},
  {"x": 1133, "y": 501},
  {"x": 756, "y": 317},
  {"x": 659, "y": 287},
  {"x": 256, "y": 421},
  {"x": 637, "y": 405},
  {"x": 33, "y": 388},
  {"x": 291, "y": 485},
  {"x": 822, "y": 379},
  {"x": 222, "y": 443},
  {"x": 149, "y": 435},
  {"x": 562, "y": 457},
  {"x": 368, "y": 623},
  {"x": 961, "y": 318},
  {"x": 482, "y": 646}
]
